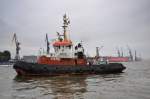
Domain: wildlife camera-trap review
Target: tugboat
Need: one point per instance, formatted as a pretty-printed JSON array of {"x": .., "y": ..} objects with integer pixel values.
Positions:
[{"x": 67, "y": 59}]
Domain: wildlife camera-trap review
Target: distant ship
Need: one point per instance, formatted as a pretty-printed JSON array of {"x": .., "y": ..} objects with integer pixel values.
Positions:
[
  {"x": 117, "y": 59},
  {"x": 120, "y": 57}
]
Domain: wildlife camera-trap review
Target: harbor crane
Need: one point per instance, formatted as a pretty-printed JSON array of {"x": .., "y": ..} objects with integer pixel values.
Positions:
[
  {"x": 17, "y": 43},
  {"x": 97, "y": 50},
  {"x": 47, "y": 44},
  {"x": 130, "y": 53},
  {"x": 118, "y": 52}
]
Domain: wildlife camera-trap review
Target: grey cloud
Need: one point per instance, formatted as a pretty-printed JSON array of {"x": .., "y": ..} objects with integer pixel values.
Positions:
[{"x": 97, "y": 22}]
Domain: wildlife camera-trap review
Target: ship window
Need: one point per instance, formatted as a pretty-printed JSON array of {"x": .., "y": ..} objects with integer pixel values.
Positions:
[{"x": 69, "y": 46}]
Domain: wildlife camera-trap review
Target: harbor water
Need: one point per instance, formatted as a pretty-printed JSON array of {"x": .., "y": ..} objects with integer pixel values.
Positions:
[{"x": 134, "y": 83}]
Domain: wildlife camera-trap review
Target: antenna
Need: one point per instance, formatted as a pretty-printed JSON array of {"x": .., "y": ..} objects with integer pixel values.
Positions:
[{"x": 66, "y": 22}]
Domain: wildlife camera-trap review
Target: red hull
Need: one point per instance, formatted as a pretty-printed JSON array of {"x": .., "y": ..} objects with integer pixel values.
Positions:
[
  {"x": 118, "y": 59},
  {"x": 61, "y": 61}
]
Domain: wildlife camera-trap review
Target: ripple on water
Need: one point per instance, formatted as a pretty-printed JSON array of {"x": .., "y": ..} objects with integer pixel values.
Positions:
[{"x": 134, "y": 83}]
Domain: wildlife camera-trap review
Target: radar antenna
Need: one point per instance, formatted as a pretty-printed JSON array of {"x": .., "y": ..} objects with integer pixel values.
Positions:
[{"x": 66, "y": 22}]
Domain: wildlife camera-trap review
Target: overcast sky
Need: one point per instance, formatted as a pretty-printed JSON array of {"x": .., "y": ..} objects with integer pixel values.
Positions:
[{"x": 109, "y": 23}]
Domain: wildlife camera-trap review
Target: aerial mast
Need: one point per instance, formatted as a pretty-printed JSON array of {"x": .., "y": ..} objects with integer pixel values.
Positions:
[
  {"x": 66, "y": 22},
  {"x": 17, "y": 43}
]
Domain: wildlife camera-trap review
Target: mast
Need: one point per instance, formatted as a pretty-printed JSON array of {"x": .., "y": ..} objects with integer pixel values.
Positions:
[
  {"x": 63, "y": 46},
  {"x": 66, "y": 22},
  {"x": 17, "y": 56}
]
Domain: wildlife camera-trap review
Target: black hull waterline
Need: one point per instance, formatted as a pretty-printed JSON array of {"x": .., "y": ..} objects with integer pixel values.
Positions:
[{"x": 24, "y": 68}]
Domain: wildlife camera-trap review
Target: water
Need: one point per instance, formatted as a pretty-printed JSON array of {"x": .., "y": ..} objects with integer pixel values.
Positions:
[{"x": 134, "y": 83}]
